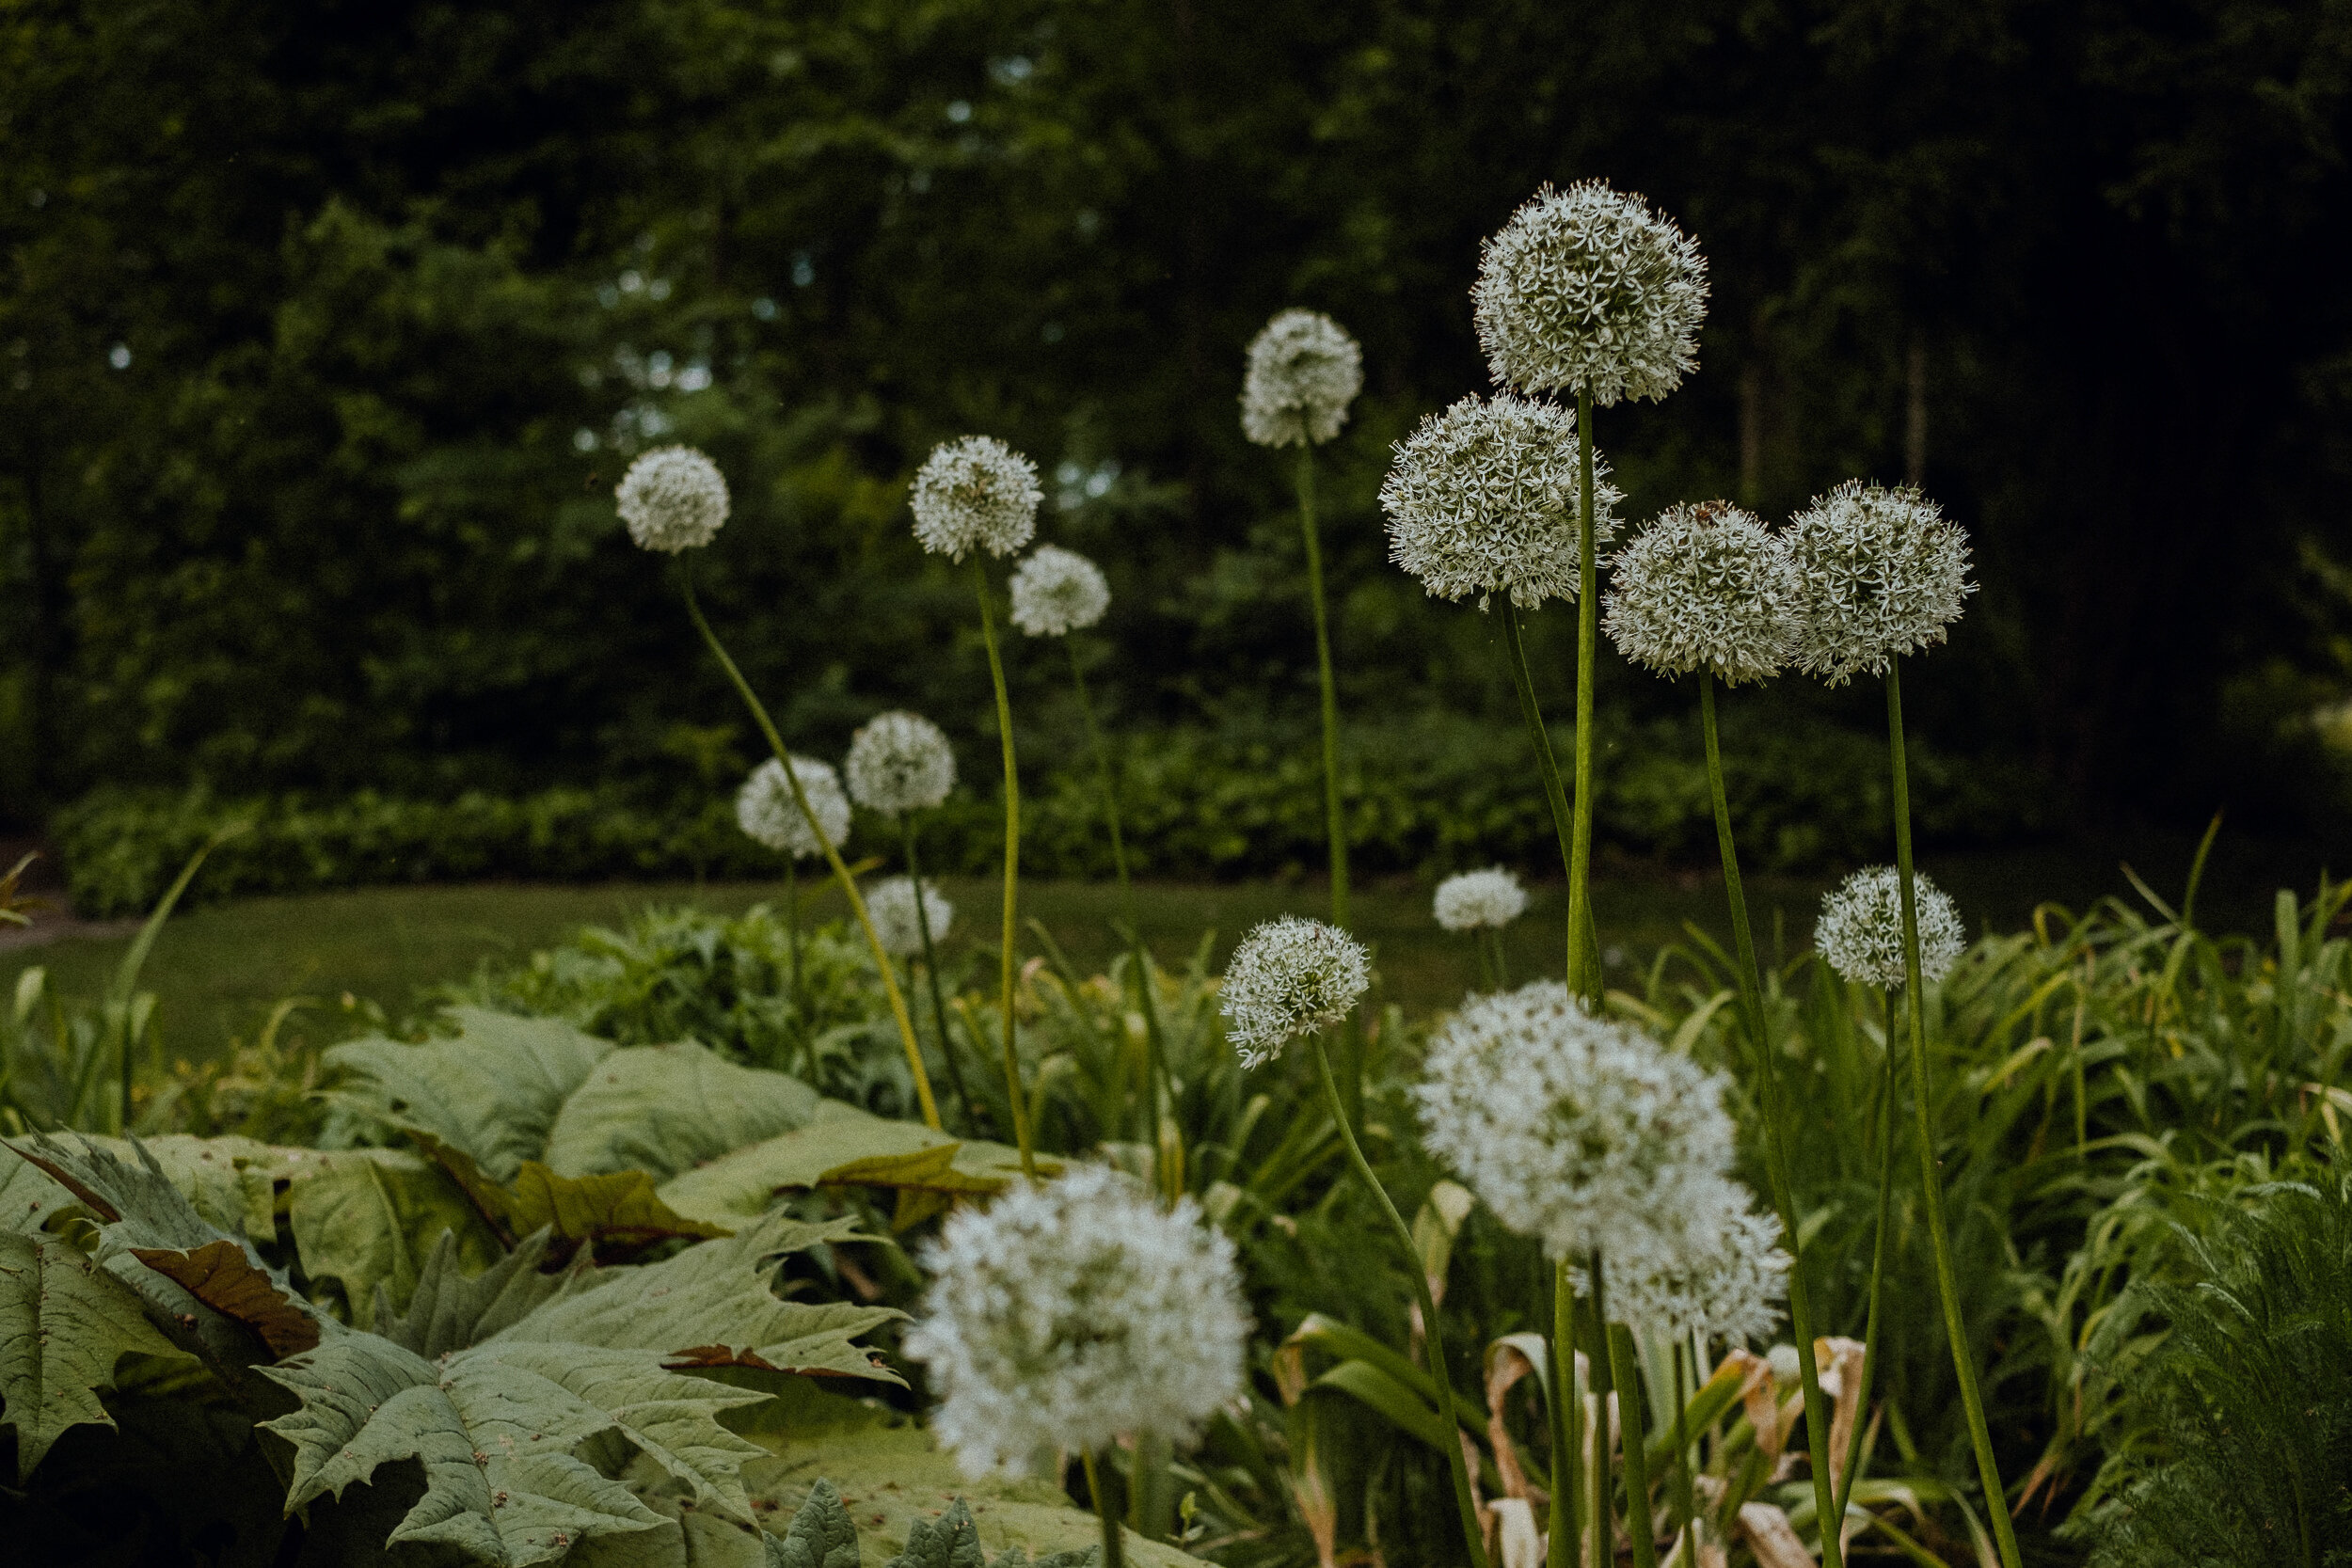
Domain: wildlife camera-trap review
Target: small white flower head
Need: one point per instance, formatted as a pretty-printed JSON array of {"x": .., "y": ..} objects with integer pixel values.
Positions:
[
  {"x": 1880, "y": 573},
  {"x": 1068, "y": 1316},
  {"x": 974, "y": 492},
  {"x": 1289, "y": 978},
  {"x": 1704, "y": 588},
  {"x": 898, "y": 763},
  {"x": 673, "y": 498},
  {"x": 1471, "y": 899},
  {"x": 1576, "y": 1129},
  {"x": 1718, "y": 1273},
  {"x": 765, "y": 810},
  {"x": 1057, "y": 591},
  {"x": 1861, "y": 930},
  {"x": 1483, "y": 499},
  {"x": 891, "y": 905},
  {"x": 1588, "y": 290},
  {"x": 1304, "y": 371}
]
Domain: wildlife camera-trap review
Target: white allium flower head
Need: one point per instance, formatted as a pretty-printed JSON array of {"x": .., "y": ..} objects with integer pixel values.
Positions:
[
  {"x": 673, "y": 498},
  {"x": 1068, "y": 1316},
  {"x": 974, "y": 492},
  {"x": 890, "y": 903},
  {"x": 1471, "y": 899},
  {"x": 1057, "y": 591},
  {"x": 1289, "y": 978},
  {"x": 1577, "y": 1130},
  {"x": 1861, "y": 930},
  {"x": 1705, "y": 587},
  {"x": 1483, "y": 499},
  {"x": 898, "y": 763},
  {"x": 1880, "y": 573},
  {"x": 1718, "y": 1273},
  {"x": 1587, "y": 289},
  {"x": 765, "y": 810},
  {"x": 1304, "y": 371}
]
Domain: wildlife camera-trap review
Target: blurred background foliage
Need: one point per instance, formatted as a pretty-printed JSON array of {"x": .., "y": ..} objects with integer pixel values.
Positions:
[{"x": 327, "y": 330}]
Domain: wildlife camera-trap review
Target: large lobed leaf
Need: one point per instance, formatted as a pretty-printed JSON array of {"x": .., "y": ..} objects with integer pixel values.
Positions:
[
  {"x": 844, "y": 1146},
  {"x": 65, "y": 1326},
  {"x": 668, "y": 1108},
  {"x": 493, "y": 1091}
]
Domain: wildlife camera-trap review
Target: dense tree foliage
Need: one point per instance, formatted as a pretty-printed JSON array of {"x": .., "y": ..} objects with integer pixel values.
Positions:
[{"x": 326, "y": 330}]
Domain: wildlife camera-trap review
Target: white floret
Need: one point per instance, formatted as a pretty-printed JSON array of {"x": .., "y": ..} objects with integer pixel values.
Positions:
[
  {"x": 769, "y": 815},
  {"x": 1289, "y": 978},
  {"x": 1472, "y": 900},
  {"x": 1880, "y": 573},
  {"x": 1303, "y": 372},
  {"x": 673, "y": 498},
  {"x": 1860, "y": 930},
  {"x": 891, "y": 905},
  {"x": 1057, "y": 591},
  {"x": 898, "y": 763},
  {"x": 1704, "y": 588},
  {"x": 974, "y": 492}
]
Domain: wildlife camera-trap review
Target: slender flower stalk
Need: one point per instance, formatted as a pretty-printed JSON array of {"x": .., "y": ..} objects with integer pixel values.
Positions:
[
  {"x": 1114, "y": 1546},
  {"x": 927, "y": 939},
  {"x": 1631, "y": 1406},
  {"x": 848, "y": 883},
  {"x": 1567, "y": 1423},
  {"x": 1877, "y": 1251},
  {"x": 1008, "y": 952},
  {"x": 1335, "y": 825},
  {"x": 1583, "y": 943},
  {"x": 1602, "y": 1517}
]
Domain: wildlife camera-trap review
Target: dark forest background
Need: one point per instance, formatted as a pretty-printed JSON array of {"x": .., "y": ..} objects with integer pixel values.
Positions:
[{"x": 326, "y": 329}]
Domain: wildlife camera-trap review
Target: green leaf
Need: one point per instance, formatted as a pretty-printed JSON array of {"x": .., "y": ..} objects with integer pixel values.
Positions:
[
  {"x": 950, "y": 1540},
  {"x": 229, "y": 1181},
  {"x": 493, "y": 1092},
  {"x": 449, "y": 1312},
  {"x": 821, "y": 1535},
  {"x": 1370, "y": 1385},
  {"x": 365, "y": 1218},
  {"x": 843, "y": 1146},
  {"x": 64, "y": 1323},
  {"x": 620, "y": 1210},
  {"x": 711, "y": 1307},
  {"x": 669, "y": 1108}
]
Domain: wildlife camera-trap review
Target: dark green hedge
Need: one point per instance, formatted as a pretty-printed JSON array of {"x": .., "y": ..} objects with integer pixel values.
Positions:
[{"x": 1428, "y": 794}]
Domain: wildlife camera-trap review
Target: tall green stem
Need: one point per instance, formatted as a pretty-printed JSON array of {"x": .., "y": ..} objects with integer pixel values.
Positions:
[
  {"x": 1563, "y": 819},
  {"x": 1432, "y": 1327},
  {"x": 1631, "y": 1406},
  {"x": 1603, "y": 1517},
  {"x": 1686, "y": 1498},
  {"x": 1878, "y": 1255},
  {"x": 1114, "y": 1548},
  {"x": 930, "y": 970},
  {"x": 792, "y": 958},
  {"x": 1817, "y": 1414},
  {"x": 833, "y": 858},
  {"x": 1583, "y": 944},
  {"x": 1333, "y": 822},
  {"x": 1567, "y": 1423},
  {"x": 1931, "y": 1178},
  {"x": 1012, "y": 868}
]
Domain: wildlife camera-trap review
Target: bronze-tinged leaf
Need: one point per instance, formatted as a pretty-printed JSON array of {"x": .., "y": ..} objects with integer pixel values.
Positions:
[
  {"x": 619, "y": 1209},
  {"x": 715, "y": 1355},
  {"x": 220, "y": 1275}
]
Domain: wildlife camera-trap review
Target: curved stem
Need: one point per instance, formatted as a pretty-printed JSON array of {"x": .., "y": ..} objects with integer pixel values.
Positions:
[
  {"x": 1639, "y": 1522},
  {"x": 1878, "y": 1255},
  {"x": 1603, "y": 1517},
  {"x": 1432, "y": 1329},
  {"x": 1567, "y": 1423},
  {"x": 1817, "y": 1414},
  {"x": 1584, "y": 945},
  {"x": 930, "y": 972},
  {"x": 1333, "y": 823},
  {"x": 833, "y": 858},
  {"x": 1931, "y": 1179},
  {"x": 1563, "y": 818},
  {"x": 1114, "y": 1548},
  {"x": 1012, "y": 868}
]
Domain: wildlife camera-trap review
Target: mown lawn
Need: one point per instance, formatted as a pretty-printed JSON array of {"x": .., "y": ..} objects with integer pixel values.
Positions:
[{"x": 219, "y": 968}]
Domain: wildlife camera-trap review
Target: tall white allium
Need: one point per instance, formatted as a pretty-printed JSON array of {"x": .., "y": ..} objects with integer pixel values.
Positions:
[
  {"x": 1289, "y": 978},
  {"x": 974, "y": 492},
  {"x": 765, "y": 810},
  {"x": 673, "y": 498},
  {"x": 1880, "y": 573},
  {"x": 1861, "y": 930},
  {"x": 1482, "y": 499},
  {"x": 1587, "y": 289},
  {"x": 899, "y": 762},
  {"x": 1577, "y": 1130},
  {"x": 1057, "y": 591},
  {"x": 1304, "y": 371},
  {"x": 1718, "y": 1270},
  {"x": 1471, "y": 899},
  {"x": 1704, "y": 588},
  {"x": 891, "y": 905},
  {"x": 1068, "y": 1316}
]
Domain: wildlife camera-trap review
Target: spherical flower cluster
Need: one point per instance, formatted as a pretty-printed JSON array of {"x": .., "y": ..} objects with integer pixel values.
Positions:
[
  {"x": 1704, "y": 588},
  {"x": 898, "y": 763},
  {"x": 1057, "y": 591},
  {"x": 1304, "y": 371},
  {"x": 1861, "y": 930},
  {"x": 974, "y": 492},
  {"x": 673, "y": 498},
  {"x": 899, "y": 923},
  {"x": 1289, "y": 978},
  {"x": 1721, "y": 1270},
  {"x": 1068, "y": 1316},
  {"x": 1587, "y": 290},
  {"x": 1472, "y": 900},
  {"x": 1576, "y": 1129},
  {"x": 1483, "y": 499},
  {"x": 1880, "y": 573},
  {"x": 765, "y": 810}
]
